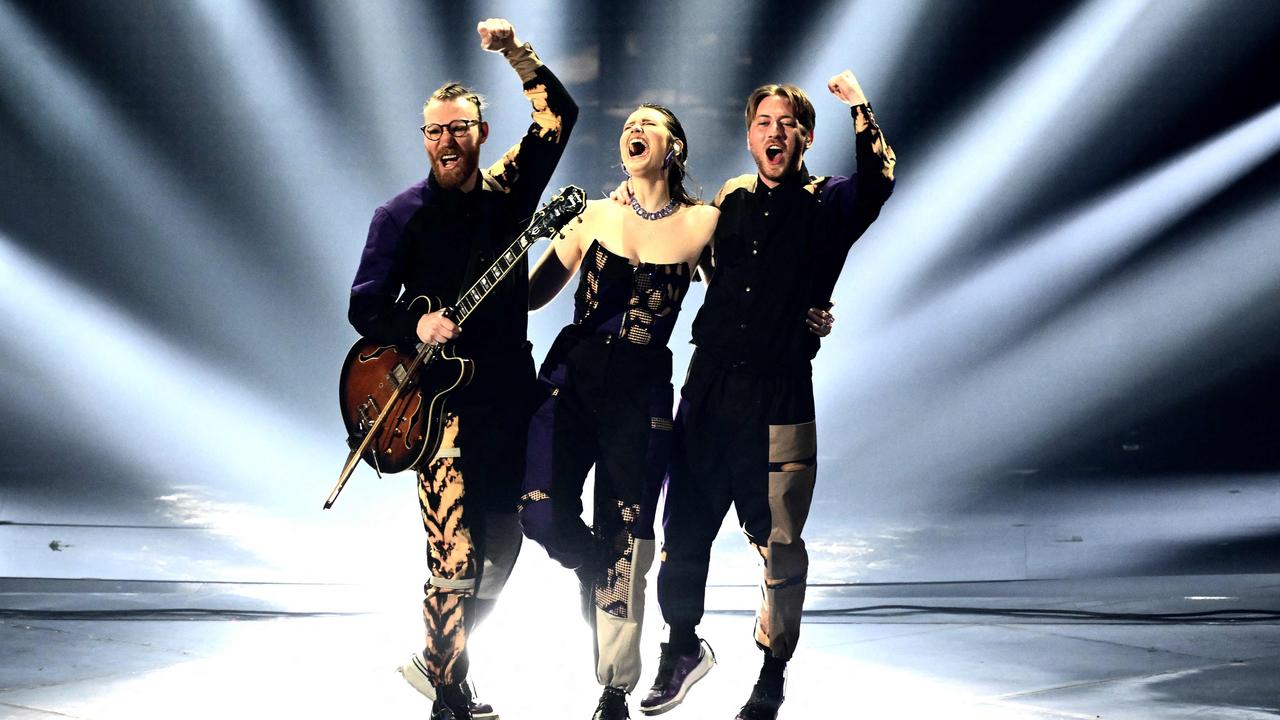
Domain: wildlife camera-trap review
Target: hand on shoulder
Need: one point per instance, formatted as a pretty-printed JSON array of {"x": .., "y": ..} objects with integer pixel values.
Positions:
[{"x": 705, "y": 216}]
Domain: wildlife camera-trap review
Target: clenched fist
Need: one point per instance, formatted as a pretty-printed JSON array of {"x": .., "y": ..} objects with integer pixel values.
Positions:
[
  {"x": 497, "y": 35},
  {"x": 845, "y": 86}
]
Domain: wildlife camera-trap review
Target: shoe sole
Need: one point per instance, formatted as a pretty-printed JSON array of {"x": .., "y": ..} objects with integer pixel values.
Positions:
[
  {"x": 416, "y": 675},
  {"x": 697, "y": 674}
]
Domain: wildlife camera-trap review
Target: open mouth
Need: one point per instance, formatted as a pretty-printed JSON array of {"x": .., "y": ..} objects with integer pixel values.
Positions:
[
  {"x": 449, "y": 160},
  {"x": 773, "y": 153},
  {"x": 636, "y": 147}
]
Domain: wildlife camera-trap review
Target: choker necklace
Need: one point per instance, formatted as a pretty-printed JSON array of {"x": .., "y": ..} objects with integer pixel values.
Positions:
[{"x": 658, "y": 215}]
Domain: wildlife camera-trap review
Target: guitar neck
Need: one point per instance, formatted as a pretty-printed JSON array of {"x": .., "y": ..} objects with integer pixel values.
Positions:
[{"x": 507, "y": 260}]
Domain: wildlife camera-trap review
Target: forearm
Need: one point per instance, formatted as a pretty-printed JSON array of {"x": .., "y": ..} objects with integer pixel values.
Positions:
[
  {"x": 523, "y": 60},
  {"x": 875, "y": 158},
  {"x": 525, "y": 169}
]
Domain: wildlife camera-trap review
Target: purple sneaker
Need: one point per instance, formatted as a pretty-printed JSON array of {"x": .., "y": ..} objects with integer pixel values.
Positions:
[{"x": 676, "y": 674}]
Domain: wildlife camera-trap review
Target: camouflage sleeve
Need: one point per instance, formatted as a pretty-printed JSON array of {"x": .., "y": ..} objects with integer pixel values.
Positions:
[
  {"x": 525, "y": 169},
  {"x": 851, "y": 204},
  {"x": 876, "y": 160}
]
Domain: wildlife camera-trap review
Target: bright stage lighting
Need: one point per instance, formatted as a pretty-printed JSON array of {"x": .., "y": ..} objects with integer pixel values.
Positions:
[
  {"x": 871, "y": 38},
  {"x": 287, "y": 130},
  {"x": 979, "y": 403},
  {"x": 993, "y": 138},
  {"x": 383, "y": 73},
  {"x": 68, "y": 116},
  {"x": 216, "y": 454}
]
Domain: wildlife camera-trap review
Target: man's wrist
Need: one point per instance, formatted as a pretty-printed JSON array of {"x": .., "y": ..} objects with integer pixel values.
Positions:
[
  {"x": 862, "y": 116},
  {"x": 523, "y": 60}
]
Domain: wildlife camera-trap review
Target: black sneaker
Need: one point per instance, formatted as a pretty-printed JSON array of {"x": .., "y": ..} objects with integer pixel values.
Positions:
[
  {"x": 676, "y": 674},
  {"x": 766, "y": 698},
  {"x": 479, "y": 710},
  {"x": 613, "y": 705},
  {"x": 452, "y": 703}
]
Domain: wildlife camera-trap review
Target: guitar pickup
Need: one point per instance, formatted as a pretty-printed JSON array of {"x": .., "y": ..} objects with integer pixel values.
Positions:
[{"x": 398, "y": 375}]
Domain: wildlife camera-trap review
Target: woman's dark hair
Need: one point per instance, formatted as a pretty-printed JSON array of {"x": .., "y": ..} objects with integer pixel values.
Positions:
[{"x": 676, "y": 171}]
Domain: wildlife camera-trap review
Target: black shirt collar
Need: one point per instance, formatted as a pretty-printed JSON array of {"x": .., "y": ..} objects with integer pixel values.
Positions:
[
  {"x": 441, "y": 195},
  {"x": 790, "y": 187}
]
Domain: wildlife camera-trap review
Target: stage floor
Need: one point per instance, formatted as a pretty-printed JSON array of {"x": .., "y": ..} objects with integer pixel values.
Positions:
[{"x": 109, "y": 649}]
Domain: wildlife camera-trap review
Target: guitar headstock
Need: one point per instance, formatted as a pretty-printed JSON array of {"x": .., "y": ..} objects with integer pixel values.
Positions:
[{"x": 567, "y": 204}]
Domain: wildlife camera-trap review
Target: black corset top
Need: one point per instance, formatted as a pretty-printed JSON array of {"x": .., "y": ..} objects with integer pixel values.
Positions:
[{"x": 636, "y": 303}]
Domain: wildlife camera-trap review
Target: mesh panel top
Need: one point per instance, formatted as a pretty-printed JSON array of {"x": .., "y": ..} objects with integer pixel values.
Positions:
[{"x": 636, "y": 303}]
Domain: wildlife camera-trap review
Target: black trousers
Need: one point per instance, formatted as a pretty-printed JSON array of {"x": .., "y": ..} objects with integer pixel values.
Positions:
[
  {"x": 746, "y": 439},
  {"x": 603, "y": 403}
]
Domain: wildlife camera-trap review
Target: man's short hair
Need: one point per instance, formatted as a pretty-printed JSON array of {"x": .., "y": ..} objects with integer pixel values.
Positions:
[
  {"x": 800, "y": 104},
  {"x": 451, "y": 91}
]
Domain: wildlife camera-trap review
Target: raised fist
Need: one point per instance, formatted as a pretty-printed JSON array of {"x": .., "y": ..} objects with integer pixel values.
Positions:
[
  {"x": 497, "y": 35},
  {"x": 845, "y": 87}
]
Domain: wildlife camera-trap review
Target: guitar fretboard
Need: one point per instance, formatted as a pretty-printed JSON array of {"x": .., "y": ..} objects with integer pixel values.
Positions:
[
  {"x": 491, "y": 277},
  {"x": 566, "y": 205}
]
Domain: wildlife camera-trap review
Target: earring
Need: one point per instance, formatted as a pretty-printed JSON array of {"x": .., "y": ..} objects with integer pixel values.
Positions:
[{"x": 666, "y": 161}]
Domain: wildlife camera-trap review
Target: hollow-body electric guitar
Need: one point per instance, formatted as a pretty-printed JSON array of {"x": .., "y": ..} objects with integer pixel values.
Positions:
[{"x": 393, "y": 402}]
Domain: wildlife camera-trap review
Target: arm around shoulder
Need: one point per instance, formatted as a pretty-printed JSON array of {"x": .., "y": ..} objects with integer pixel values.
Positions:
[{"x": 705, "y": 219}]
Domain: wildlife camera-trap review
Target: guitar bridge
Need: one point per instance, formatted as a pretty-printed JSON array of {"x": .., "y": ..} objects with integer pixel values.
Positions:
[{"x": 368, "y": 410}]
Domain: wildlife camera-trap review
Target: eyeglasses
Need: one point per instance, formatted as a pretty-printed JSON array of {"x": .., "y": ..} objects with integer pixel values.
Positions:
[{"x": 457, "y": 128}]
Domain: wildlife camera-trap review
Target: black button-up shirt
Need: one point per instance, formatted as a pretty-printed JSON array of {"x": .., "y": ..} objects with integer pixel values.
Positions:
[{"x": 778, "y": 252}]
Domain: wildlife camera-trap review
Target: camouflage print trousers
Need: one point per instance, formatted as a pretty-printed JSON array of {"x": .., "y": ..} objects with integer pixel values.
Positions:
[{"x": 473, "y": 538}]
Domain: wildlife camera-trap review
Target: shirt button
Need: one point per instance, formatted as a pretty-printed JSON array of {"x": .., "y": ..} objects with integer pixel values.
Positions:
[
  {"x": 742, "y": 326},
  {"x": 748, "y": 288},
  {"x": 754, "y": 251},
  {"x": 766, "y": 213}
]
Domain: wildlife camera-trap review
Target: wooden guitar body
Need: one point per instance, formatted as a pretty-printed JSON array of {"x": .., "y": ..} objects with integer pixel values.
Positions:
[{"x": 412, "y": 430}]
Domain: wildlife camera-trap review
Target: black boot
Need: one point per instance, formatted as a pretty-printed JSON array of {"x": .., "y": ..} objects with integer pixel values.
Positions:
[
  {"x": 766, "y": 696},
  {"x": 613, "y": 705},
  {"x": 452, "y": 703}
]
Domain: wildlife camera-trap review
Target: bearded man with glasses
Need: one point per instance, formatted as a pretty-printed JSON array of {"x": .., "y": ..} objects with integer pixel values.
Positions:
[{"x": 434, "y": 239}]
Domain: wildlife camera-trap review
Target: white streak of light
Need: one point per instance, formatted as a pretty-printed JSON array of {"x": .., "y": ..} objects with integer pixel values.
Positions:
[
  {"x": 1154, "y": 336},
  {"x": 1042, "y": 270},
  {"x": 996, "y": 135},
  {"x": 870, "y": 38},
  {"x": 73, "y": 116},
  {"x": 290, "y": 129},
  {"x": 383, "y": 72},
  {"x": 217, "y": 454}
]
